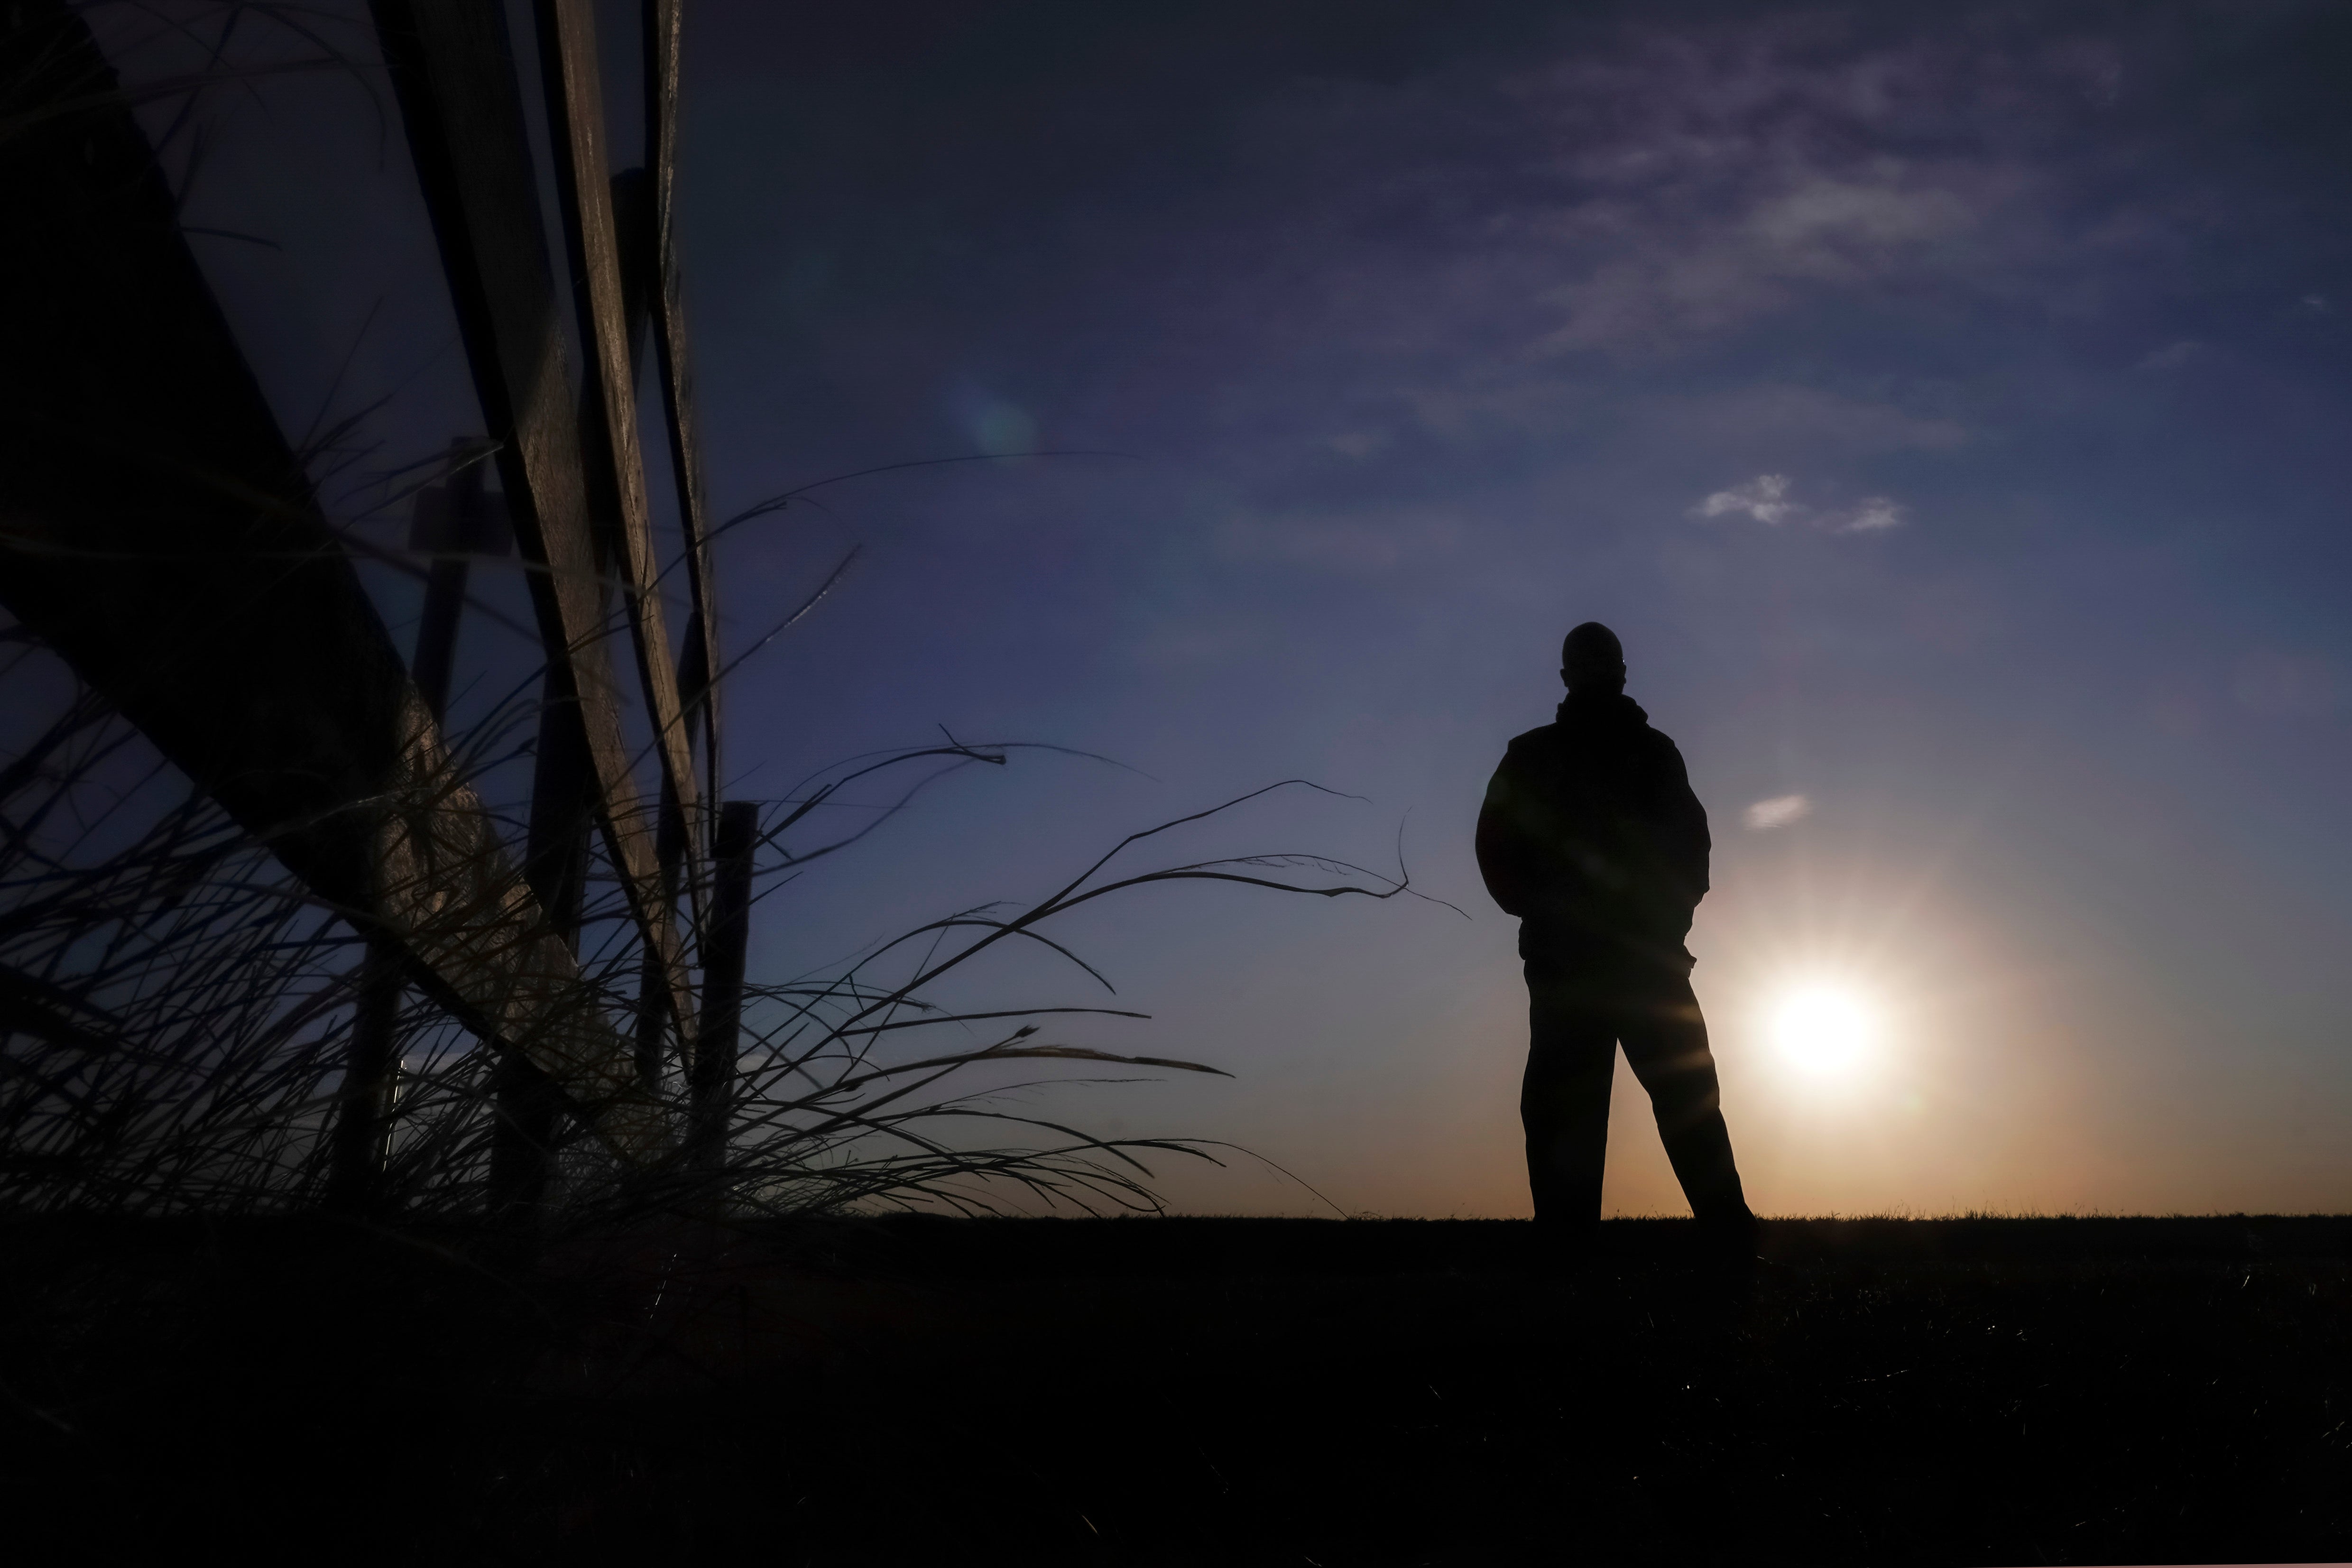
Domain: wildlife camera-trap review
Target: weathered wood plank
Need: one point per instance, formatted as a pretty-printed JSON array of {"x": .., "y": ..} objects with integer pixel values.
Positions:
[
  {"x": 663, "y": 20},
  {"x": 453, "y": 71},
  {"x": 575, "y": 97},
  {"x": 157, "y": 532},
  {"x": 633, "y": 236}
]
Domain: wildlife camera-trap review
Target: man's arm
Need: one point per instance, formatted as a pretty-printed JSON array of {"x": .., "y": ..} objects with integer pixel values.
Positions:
[
  {"x": 1502, "y": 847},
  {"x": 1686, "y": 841}
]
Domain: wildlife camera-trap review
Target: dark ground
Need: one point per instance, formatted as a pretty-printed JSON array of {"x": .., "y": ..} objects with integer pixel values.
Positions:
[{"x": 1183, "y": 1390}]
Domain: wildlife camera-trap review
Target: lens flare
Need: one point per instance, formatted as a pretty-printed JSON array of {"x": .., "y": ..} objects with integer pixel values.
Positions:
[{"x": 1823, "y": 1029}]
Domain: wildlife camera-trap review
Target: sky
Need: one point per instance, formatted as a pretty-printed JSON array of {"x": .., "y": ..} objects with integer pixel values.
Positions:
[{"x": 1945, "y": 404}]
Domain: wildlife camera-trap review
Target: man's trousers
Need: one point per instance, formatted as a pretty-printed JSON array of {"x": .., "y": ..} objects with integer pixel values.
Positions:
[{"x": 1582, "y": 1003}]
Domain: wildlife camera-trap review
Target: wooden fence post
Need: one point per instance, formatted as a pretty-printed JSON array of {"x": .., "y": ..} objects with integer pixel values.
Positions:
[
  {"x": 362, "y": 1138},
  {"x": 722, "y": 984}
]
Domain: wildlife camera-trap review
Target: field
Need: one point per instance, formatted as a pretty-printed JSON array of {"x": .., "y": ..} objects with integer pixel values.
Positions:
[{"x": 1963, "y": 1391}]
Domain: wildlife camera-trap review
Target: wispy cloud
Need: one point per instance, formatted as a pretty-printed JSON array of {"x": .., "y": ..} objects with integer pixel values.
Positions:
[
  {"x": 1779, "y": 812},
  {"x": 1767, "y": 499},
  {"x": 1763, "y": 498},
  {"x": 1866, "y": 516},
  {"x": 1635, "y": 201}
]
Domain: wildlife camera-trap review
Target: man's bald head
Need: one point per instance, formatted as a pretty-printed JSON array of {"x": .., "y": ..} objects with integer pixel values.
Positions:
[{"x": 1592, "y": 658}]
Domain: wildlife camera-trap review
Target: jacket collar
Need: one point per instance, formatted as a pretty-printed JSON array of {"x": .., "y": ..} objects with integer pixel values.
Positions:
[{"x": 1594, "y": 708}]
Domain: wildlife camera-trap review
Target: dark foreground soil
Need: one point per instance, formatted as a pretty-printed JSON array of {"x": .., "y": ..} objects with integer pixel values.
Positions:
[{"x": 1182, "y": 1390}]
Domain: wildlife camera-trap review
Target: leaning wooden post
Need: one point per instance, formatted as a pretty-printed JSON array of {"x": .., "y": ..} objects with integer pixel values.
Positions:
[
  {"x": 633, "y": 231},
  {"x": 722, "y": 984},
  {"x": 661, "y": 39},
  {"x": 362, "y": 1139}
]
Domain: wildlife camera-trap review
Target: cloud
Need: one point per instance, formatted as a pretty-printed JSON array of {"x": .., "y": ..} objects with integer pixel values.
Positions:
[
  {"x": 1814, "y": 228},
  {"x": 1716, "y": 237},
  {"x": 1707, "y": 178},
  {"x": 1760, "y": 497},
  {"x": 1779, "y": 812},
  {"x": 1766, "y": 498},
  {"x": 1866, "y": 516},
  {"x": 1638, "y": 196}
]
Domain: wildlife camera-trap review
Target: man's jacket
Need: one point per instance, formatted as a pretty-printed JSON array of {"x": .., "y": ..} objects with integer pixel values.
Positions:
[{"x": 1590, "y": 834}]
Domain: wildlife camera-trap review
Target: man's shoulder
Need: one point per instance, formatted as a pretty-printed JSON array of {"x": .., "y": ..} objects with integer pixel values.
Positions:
[
  {"x": 1533, "y": 746},
  {"x": 1657, "y": 740}
]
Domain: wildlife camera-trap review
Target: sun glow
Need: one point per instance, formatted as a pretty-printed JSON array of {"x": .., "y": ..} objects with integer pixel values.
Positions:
[{"x": 1824, "y": 1030}]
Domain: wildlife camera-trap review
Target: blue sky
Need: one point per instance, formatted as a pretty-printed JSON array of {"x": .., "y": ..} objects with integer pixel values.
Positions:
[{"x": 1945, "y": 404}]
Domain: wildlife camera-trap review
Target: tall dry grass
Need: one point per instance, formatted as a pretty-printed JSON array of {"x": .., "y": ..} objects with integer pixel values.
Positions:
[{"x": 176, "y": 1012}]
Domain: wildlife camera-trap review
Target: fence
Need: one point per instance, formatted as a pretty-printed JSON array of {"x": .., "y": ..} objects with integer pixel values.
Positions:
[{"x": 160, "y": 535}]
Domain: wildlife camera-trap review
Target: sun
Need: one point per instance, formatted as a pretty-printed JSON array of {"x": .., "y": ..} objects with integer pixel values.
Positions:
[{"x": 1824, "y": 1030}]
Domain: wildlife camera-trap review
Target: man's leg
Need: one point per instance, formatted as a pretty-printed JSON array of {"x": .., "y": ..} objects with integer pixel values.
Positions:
[
  {"x": 1665, "y": 1042},
  {"x": 1564, "y": 1098}
]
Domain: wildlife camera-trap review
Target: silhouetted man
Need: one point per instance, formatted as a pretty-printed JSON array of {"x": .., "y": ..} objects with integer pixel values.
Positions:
[{"x": 1590, "y": 834}]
